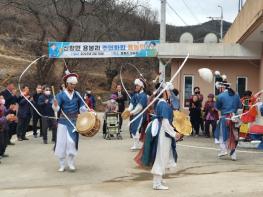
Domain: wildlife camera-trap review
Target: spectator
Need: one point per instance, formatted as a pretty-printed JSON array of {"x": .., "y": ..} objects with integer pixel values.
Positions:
[
  {"x": 111, "y": 106},
  {"x": 45, "y": 103},
  {"x": 4, "y": 127},
  {"x": 211, "y": 115},
  {"x": 195, "y": 113},
  {"x": 90, "y": 99},
  {"x": 121, "y": 98},
  {"x": 174, "y": 98},
  {"x": 36, "y": 116},
  {"x": 12, "y": 125},
  {"x": 200, "y": 99},
  {"x": 23, "y": 115},
  {"x": 10, "y": 98}
]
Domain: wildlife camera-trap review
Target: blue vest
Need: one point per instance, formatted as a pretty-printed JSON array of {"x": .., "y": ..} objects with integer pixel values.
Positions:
[
  {"x": 69, "y": 107},
  {"x": 138, "y": 98},
  {"x": 228, "y": 103},
  {"x": 163, "y": 110}
]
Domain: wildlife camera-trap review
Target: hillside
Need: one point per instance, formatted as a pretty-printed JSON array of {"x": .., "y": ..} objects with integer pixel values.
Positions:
[{"x": 198, "y": 31}]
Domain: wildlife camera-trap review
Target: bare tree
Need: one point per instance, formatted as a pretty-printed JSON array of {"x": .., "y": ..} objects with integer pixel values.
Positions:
[{"x": 78, "y": 20}]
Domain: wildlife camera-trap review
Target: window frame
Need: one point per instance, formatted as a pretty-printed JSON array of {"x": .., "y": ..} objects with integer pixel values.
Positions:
[{"x": 192, "y": 76}]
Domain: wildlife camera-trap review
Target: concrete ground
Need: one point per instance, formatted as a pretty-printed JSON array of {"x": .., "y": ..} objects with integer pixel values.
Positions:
[{"x": 106, "y": 168}]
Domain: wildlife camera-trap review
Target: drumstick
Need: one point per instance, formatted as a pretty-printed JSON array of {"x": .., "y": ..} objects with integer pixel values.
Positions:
[{"x": 53, "y": 92}]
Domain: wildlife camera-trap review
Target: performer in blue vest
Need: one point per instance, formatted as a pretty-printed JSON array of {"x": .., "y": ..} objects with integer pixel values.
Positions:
[
  {"x": 226, "y": 135},
  {"x": 69, "y": 103},
  {"x": 160, "y": 142},
  {"x": 137, "y": 104}
]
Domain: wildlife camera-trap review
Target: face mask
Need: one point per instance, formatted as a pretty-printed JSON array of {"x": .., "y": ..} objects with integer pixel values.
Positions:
[
  {"x": 2, "y": 101},
  {"x": 197, "y": 92},
  {"x": 88, "y": 92},
  {"x": 39, "y": 90},
  {"x": 47, "y": 93}
]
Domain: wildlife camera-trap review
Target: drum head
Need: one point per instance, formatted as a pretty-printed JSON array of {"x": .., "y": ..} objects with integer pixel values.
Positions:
[
  {"x": 93, "y": 131},
  {"x": 85, "y": 122}
]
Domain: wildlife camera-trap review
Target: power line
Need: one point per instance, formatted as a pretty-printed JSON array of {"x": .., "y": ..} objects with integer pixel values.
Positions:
[
  {"x": 169, "y": 5},
  {"x": 190, "y": 10}
]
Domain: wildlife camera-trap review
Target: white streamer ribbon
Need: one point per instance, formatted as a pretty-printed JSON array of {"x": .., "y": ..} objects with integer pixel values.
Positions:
[
  {"x": 32, "y": 105},
  {"x": 162, "y": 91}
]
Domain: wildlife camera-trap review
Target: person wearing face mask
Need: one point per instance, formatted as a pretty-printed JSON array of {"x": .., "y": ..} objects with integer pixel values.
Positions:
[
  {"x": 199, "y": 100},
  {"x": 45, "y": 103},
  {"x": 36, "y": 117}
]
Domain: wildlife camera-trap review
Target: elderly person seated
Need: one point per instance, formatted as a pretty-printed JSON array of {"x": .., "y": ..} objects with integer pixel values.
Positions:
[{"x": 111, "y": 105}]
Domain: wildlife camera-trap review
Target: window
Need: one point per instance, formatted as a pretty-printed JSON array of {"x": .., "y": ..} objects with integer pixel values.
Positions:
[
  {"x": 188, "y": 89},
  {"x": 241, "y": 85}
]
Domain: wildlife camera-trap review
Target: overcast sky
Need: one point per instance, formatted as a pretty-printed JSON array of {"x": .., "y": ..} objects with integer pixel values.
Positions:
[{"x": 196, "y": 11}]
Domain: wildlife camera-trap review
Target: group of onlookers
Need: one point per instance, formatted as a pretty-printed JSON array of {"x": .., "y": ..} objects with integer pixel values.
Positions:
[
  {"x": 16, "y": 112},
  {"x": 202, "y": 116},
  {"x": 205, "y": 116}
]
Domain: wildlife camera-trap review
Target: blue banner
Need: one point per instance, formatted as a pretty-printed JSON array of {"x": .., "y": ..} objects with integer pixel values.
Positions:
[{"x": 147, "y": 48}]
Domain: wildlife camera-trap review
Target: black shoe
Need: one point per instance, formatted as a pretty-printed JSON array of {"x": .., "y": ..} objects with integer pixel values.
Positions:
[
  {"x": 11, "y": 143},
  {"x": 35, "y": 135},
  {"x": 20, "y": 139},
  {"x": 25, "y": 138},
  {"x": 45, "y": 141}
]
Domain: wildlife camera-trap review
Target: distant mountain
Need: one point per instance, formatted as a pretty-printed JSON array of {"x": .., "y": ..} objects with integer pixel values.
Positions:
[{"x": 198, "y": 31}]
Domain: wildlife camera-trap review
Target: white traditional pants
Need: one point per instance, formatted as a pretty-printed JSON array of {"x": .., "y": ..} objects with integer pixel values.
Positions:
[{"x": 65, "y": 146}]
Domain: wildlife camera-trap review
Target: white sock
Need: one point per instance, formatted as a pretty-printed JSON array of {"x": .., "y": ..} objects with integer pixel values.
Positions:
[
  {"x": 157, "y": 180},
  {"x": 62, "y": 162},
  {"x": 223, "y": 147},
  {"x": 71, "y": 160}
]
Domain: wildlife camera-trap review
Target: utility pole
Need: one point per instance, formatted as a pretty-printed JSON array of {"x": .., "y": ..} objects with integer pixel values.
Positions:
[
  {"x": 221, "y": 18},
  {"x": 162, "y": 37},
  {"x": 221, "y": 26}
]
